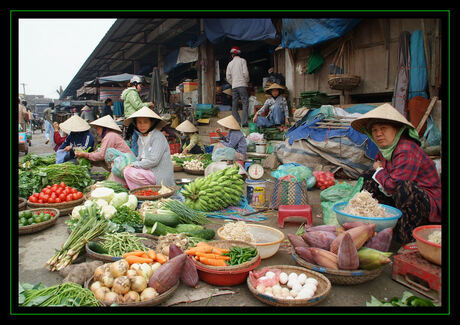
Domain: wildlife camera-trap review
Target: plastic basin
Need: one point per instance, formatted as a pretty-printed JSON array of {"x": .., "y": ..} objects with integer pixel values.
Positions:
[
  {"x": 429, "y": 250},
  {"x": 380, "y": 223},
  {"x": 225, "y": 278}
]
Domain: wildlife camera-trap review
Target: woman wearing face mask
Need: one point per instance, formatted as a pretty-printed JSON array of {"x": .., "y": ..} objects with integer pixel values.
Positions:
[
  {"x": 402, "y": 175},
  {"x": 153, "y": 164}
]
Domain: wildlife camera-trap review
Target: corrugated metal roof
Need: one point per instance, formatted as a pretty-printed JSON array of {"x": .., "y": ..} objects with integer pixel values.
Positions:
[{"x": 130, "y": 40}]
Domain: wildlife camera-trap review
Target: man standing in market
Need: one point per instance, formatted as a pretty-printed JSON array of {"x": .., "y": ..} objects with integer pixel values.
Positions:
[
  {"x": 237, "y": 75},
  {"x": 47, "y": 117}
]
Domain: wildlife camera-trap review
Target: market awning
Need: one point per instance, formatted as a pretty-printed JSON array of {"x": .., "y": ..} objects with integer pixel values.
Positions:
[
  {"x": 124, "y": 77},
  {"x": 239, "y": 29},
  {"x": 180, "y": 56},
  {"x": 303, "y": 33}
]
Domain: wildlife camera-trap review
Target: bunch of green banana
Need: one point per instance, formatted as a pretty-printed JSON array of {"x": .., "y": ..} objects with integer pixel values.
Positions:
[{"x": 215, "y": 191}]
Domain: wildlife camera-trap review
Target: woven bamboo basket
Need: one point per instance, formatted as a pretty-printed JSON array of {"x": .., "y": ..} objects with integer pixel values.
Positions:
[
  {"x": 227, "y": 244},
  {"x": 149, "y": 241},
  {"x": 153, "y": 197},
  {"x": 178, "y": 168},
  {"x": 152, "y": 302},
  {"x": 30, "y": 229},
  {"x": 342, "y": 277},
  {"x": 22, "y": 204},
  {"x": 343, "y": 81},
  {"x": 64, "y": 208},
  {"x": 194, "y": 172},
  {"x": 323, "y": 288}
]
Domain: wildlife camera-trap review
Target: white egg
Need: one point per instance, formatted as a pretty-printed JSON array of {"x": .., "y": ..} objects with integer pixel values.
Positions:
[
  {"x": 312, "y": 280},
  {"x": 283, "y": 278},
  {"x": 260, "y": 288},
  {"x": 292, "y": 276},
  {"x": 276, "y": 291},
  {"x": 291, "y": 282},
  {"x": 263, "y": 278},
  {"x": 270, "y": 274},
  {"x": 268, "y": 291},
  {"x": 305, "y": 293},
  {"x": 294, "y": 293},
  {"x": 309, "y": 286},
  {"x": 285, "y": 292},
  {"x": 296, "y": 286},
  {"x": 276, "y": 286},
  {"x": 301, "y": 278}
]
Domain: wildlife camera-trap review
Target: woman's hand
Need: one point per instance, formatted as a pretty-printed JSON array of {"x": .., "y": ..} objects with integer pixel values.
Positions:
[
  {"x": 184, "y": 151},
  {"x": 377, "y": 164},
  {"x": 255, "y": 118}
]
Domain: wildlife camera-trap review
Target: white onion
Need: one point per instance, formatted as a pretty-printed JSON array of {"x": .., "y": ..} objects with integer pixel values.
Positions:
[
  {"x": 119, "y": 268},
  {"x": 121, "y": 285},
  {"x": 95, "y": 285},
  {"x": 107, "y": 280},
  {"x": 138, "y": 283},
  {"x": 111, "y": 297},
  {"x": 131, "y": 296},
  {"x": 148, "y": 294},
  {"x": 100, "y": 293}
]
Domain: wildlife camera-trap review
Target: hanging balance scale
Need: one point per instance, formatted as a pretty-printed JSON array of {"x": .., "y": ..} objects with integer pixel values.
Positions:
[{"x": 255, "y": 170}]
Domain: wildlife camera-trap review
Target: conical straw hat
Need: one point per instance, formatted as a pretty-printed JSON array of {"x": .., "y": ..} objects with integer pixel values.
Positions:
[
  {"x": 106, "y": 122},
  {"x": 384, "y": 112},
  {"x": 187, "y": 127},
  {"x": 229, "y": 122},
  {"x": 274, "y": 86},
  {"x": 74, "y": 124},
  {"x": 228, "y": 91},
  {"x": 146, "y": 112}
]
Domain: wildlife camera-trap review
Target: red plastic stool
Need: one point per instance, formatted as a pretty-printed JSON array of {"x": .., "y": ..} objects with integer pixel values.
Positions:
[{"x": 300, "y": 211}]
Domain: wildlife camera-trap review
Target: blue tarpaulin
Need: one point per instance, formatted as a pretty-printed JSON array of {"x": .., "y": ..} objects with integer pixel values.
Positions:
[
  {"x": 170, "y": 61},
  {"x": 303, "y": 33},
  {"x": 239, "y": 29},
  {"x": 418, "y": 80}
]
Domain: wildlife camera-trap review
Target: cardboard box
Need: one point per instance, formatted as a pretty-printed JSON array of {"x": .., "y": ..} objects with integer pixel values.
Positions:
[{"x": 190, "y": 86}]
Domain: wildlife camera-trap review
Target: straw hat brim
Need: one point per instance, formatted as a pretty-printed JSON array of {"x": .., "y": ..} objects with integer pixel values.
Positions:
[
  {"x": 146, "y": 112},
  {"x": 74, "y": 124},
  {"x": 228, "y": 91},
  {"x": 229, "y": 122},
  {"x": 106, "y": 122},
  {"x": 274, "y": 86},
  {"x": 187, "y": 127},
  {"x": 385, "y": 112}
]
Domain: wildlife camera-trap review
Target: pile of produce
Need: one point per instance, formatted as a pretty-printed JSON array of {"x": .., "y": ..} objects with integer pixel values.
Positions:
[
  {"x": 31, "y": 161},
  {"x": 237, "y": 231},
  {"x": 151, "y": 192},
  {"x": 363, "y": 204},
  {"x": 280, "y": 285},
  {"x": 324, "y": 179},
  {"x": 180, "y": 159},
  {"x": 193, "y": 164},
  {"x": 407, "y": 300},
  {"x": 118, "y": 244},
  {"x": 216, "y": 256},
  {"x": 61, "y": 295},
  {"x": 435, "y": 237},
  {"x": 57, "y": 193},
  {"x": 216, "y": 191},
  {"x": 27, "y": 218},
  {"x": 349, "y": 247}
]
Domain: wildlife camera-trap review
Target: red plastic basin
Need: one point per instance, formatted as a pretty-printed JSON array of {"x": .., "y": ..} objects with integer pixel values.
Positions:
[{"x": 225, "y": 278}]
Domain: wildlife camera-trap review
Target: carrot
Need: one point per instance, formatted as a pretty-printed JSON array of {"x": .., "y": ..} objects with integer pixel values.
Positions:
[
  {"x": 215, "y": 256},
  {"x": 131, "y": 259},
  {"x": 133, "y": 253},
  {"x": 152, "y": 254},
  {"x": 161, "y": 258},
  {"x": 206, "y": 248},
  {"x": 212, "y": 261}
]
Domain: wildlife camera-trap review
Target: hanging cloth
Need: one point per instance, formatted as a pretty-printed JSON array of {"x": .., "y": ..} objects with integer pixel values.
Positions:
[
  {"x": 418, "y": 81},
  {"x": 402, "y": 79}
]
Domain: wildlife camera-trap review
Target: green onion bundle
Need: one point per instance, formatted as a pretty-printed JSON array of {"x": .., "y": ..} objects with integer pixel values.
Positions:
[{"x": 185, "y": 213}]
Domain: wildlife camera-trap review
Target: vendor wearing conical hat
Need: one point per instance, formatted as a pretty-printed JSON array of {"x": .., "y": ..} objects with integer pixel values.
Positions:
[
  {"x": 275, "y": 108},
  {"x": 402, "y": 175},
  {"x": 154, "y": 164},
  {"x": 235, "y": 138},
  {"x": 108, "y": 130},
  {"x": 193, "y": 143},
  {"x": 79, "y": 138}
]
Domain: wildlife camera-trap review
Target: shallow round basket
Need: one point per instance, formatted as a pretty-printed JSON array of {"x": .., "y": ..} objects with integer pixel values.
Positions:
[
  {"x": 343, "y": 81},
  {"x": 227, "y": 275},
  {"x": 194, "y": 172},
  {"x": 22, "y": 204},
  {"x": 380, "y": 223},
  {"x": 30, "y": 229},
  {"x": 152, "y": 302},
  {"x": 153, "y": 197},
  {"x": 178, "y": 168},
  {"x": 341, "y": 277},
  {"x": 267, "y": 239},
  {"x": 429, "y": 250},
  {"x": 323, "y": 288},
  {"x": 148, "y": 240},
  {"x": 64, "y": 208}
]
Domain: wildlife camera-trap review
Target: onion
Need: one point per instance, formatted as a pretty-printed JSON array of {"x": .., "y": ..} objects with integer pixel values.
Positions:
[
  {"x": 119, "y": 268},
  {"x": 107, "y": 280},
  {"x": 138, "y": 283},
  {"x": 100, "y": 270},
  {"x": 131, "y": 296},
  {"x": 95, "y": 285},
  {"x": 131, "y": 274},
  {"x": 148, "y": 294},
  {"x": 100, "y": 293},
  {"x": 121, "y": 285},
  {"x": 110, "y": 297}
]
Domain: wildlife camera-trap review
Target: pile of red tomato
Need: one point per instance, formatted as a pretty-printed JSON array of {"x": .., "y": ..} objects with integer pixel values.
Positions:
[
  {"x": 324, "y": 179},
  {"x": 56, "y": 193}
]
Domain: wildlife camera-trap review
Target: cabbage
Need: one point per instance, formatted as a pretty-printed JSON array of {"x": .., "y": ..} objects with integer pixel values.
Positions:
[
  {"x": 76, "y": 212},
  {"x": 119, "y": 199},
  {"x": 132, "y": 202},
  {"x": 103, "y": 193},
  {"x": 108, "y": 211},
  {"x": 100, "y": 203}
]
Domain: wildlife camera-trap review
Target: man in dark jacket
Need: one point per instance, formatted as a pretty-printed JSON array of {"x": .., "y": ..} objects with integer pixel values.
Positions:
[{"x": 107, "y": 109}]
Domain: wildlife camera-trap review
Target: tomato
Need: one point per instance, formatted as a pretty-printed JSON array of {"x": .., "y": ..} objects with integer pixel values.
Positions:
[
  {"x": 73, "y": 190},
  {"x": 35, "y": 195},
  {"x": 52, "y": 200},
  {"x": 58, "y": 191},
  {"x": 54, "y": 188},
  {"x": 32, "y": 199},
  {"x": 45, "y": 198},
  {"x": 79, "y": 195},
  {"x": 40, "y": 201},
  {"x": 62, "y": 197},
  {"x": 69, "y": 198},
  {"x": 48, "y": 186},
  {"x": 62, "y": 184},
  {"x": 58, "y": 200}
]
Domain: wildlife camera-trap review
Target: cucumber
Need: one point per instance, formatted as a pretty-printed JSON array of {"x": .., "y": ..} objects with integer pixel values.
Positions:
[
  {"x": 204, "y": 233},
  {"x": 185, "y": 227},
  {"x": 159, "y": 229},
  {"x": 170, "y": 220},
  {"x": 95, "y": 247}
]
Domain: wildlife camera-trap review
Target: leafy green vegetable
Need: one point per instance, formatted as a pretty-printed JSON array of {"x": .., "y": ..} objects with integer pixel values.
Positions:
[
  {"x": 407, "y": 300},
  {"x": 127, "y": 220}
]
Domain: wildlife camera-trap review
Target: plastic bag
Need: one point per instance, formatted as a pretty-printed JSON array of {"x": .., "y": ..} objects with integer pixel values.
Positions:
[
  {"x": 324, "y": 179},
  {"x": 340, "y": 192},
  {"x": 224, "y": 153},
  {"x": 298, "y": 171}
]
